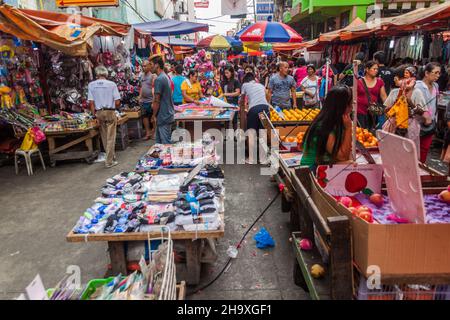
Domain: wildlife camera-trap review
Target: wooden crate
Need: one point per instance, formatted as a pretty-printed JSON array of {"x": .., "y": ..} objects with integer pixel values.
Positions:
[
  {"x": 133, "y": 114},
  {"x": 122, "y": 138},
  {"x": 135, "y": 129}
]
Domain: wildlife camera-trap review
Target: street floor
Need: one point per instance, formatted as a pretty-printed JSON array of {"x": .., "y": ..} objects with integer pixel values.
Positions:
[{"x": 38, "y": 211}]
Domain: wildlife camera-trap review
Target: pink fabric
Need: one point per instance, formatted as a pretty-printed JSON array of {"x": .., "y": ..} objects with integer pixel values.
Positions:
[
  {"x": 363, "y": 102},
  {"x": 300, "y": 74}
]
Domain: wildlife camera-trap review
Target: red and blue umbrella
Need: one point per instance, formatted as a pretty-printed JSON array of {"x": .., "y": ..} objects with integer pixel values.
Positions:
[{"x": 270, "y": 32}]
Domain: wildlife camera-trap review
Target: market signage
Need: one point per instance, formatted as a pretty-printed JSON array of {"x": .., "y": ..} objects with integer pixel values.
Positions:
[
  {"x": 86, "y": 3},
  {"x": 201, "y": 4},
  {"x": 264, "y": 8},
  {"x": 264, "y": 17}
]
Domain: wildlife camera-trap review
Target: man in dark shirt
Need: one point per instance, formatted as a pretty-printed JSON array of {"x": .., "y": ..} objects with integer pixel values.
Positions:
[
  {"x": 346, "y": 76},
  {"x": 162, "y": 102},
  {"x": 385, "y": 73}
]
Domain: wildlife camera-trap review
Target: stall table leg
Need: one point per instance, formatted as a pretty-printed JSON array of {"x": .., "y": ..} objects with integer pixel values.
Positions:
[
  {"x": 118, "y": 259},
  {"x": 193, "y": 264}
]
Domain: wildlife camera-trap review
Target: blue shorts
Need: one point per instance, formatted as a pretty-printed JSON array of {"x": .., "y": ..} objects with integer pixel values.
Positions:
[{"x": 147, "y": 109}]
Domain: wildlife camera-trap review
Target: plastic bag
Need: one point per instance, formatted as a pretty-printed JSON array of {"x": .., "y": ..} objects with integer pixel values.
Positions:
[
  {"x": 263, "y": 239},
  {"x": 38, "y": 135},
  {"x": 28, "y": 142}
]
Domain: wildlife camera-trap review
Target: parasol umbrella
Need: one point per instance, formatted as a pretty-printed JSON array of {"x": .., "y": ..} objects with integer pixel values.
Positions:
[
  {"x": 269, "y": 32},
  {"x": 215, "y": 42}
]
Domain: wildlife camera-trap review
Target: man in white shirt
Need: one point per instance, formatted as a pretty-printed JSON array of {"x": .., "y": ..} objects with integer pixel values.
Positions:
[{"x": 104, "y": 98}]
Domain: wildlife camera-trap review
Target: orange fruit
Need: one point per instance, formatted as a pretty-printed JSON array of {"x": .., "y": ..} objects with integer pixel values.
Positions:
[{"x": 290, "y": 139}]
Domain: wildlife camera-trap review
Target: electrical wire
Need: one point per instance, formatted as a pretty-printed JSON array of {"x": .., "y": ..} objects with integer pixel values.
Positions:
[
  {"x": 237, "y": 247},
  {"x": 143, "y": 18}
]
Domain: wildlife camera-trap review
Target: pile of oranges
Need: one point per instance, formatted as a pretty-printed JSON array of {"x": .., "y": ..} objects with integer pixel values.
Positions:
[
  {"x": 295, "y": 115},
  {"x": 298, "y": 138},
  {"x": 366, "y": 138}
]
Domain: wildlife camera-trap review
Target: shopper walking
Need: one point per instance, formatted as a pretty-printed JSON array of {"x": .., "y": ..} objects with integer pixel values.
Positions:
[
  {"x": 146, "y": 99},
  {"x": 371, "y": 92},
  {"x": 104, "y": 98},
  {"x": 301, "y": 72},
  {"x": 162, "y": 102},
  {"x": 310, "y": 86},
  {"x": 417, "y": 110},
  {"x": 178, "y": 80},
  {"x": 282, "y": 88},
  {"x": 253, "y": 93},
  {"x": 346, "y": 76},
  {"x": 430, "y": 90},
  {"x": 384, "y": 72}
]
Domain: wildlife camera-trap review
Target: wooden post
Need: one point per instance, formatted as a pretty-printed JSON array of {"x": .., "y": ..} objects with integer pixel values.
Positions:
[
  {"x": 304, "y": 219},
  {"x": 43, "y": 79},
  {"x": 341, "y": 267},
  {"x": 193, "y": 265},
  {"x": 118, "y": 258}
]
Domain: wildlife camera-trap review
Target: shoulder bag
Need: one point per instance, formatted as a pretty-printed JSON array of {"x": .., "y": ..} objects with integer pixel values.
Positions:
[{"x": 374, "y": 108}]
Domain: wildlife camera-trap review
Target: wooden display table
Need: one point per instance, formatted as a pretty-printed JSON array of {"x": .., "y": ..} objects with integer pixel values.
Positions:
[
  {"x": 206, "y": 123},
  {"x": 88, "y": 137},
  {"x": 193, "y": 242}
]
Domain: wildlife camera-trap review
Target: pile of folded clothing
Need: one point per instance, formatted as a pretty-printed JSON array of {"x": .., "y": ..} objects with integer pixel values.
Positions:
[
  {"x": 164, "y": 188},
  {"x": 178, "y": 155},
  {"x": 199, "y": 204},
  {"x": 123, "y": 184}
]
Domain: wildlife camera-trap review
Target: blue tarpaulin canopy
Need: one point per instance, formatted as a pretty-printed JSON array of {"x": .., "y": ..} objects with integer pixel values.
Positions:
[{"x": 169, "y": 27}]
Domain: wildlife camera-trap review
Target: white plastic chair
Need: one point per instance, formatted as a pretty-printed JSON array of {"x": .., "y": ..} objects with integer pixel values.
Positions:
[{"x": 27, "y": 156}]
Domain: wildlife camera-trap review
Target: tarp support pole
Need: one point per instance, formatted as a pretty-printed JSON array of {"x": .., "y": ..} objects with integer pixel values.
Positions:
[
  {"x": 43, "y": 79},
  {"x": 355, "y": 106}
]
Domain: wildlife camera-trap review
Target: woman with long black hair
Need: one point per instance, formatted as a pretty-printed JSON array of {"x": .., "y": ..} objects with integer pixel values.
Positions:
[
  {"x": 231, "y": 90},
  {"x": 328, "y": 140}
]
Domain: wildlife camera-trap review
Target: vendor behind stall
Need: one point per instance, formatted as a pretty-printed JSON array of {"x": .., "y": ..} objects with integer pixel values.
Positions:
[
  {"x": 104, "y": 98},
  {"x": 191, "y": 88},
  {"x": 329, "y": 138}
]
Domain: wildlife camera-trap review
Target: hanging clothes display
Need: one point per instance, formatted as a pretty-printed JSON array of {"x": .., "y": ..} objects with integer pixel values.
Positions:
[{"x": 436, "y": 46}]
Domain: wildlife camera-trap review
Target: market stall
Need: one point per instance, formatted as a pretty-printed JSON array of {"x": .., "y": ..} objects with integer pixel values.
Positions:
[
  {"x": 179, "y": 187},
  {"x": 46, "y": 69},
  {"x": 341, "y": 192}
]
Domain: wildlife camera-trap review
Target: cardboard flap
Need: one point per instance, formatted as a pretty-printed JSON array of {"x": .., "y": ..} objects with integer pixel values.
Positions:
[
  {"x": 401, "y": 173},
  {"x": 349, "y": 179}
]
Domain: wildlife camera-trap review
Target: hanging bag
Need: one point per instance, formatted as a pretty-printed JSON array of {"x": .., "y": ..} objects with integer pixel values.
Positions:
[
  {"x": 374, "y": 108},
  {"x": 28, "y": 142},
  {"x": 38, "y": 135},
  {"x": 315, "y": 100}
]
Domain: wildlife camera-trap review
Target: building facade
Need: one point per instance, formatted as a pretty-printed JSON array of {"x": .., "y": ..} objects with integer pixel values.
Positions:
[{"x": 313, "y": 17}]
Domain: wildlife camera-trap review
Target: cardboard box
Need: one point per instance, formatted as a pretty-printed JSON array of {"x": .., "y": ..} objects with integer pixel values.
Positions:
[
  {"x": 397, "y": 249},
  {"x": 400, "y": 251}
]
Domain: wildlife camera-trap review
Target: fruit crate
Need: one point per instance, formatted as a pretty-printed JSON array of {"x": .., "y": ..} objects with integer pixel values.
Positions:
[
  {"x": 294, "y": 117},
  {"x": 402, "y": 292}
]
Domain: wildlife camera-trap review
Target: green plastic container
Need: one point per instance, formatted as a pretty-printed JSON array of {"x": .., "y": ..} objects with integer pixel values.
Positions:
[{"x": 93, "y": 285}]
